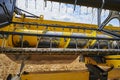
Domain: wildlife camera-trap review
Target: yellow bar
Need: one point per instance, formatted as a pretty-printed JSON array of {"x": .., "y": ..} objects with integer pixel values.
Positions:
[
  {"x": 51, "y": 22},
  {"x": 69, "y": 75},
  {"x": 76, "y": 75},
  {"x": 113, "y": 60}
]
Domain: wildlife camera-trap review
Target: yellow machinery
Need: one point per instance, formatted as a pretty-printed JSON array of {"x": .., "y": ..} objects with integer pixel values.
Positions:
[
  {"x": 35, "y": 36},
  {"x": 38, "y": 41},
  {"x": 73, "y": 75}
]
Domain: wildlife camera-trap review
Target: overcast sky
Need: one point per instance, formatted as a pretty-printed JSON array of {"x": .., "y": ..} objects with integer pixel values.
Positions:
[{"x": 63, "y": 12}]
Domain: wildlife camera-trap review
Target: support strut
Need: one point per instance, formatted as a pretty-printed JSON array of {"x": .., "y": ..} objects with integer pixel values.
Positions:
[
  {"x": 96, "y": 73},
  {"x": 112, "y": 15}
]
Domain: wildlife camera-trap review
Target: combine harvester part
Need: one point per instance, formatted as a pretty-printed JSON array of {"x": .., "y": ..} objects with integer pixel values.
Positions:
[
  {"x": 6, "y": 11},
  {"x": 107, "y": 4},
  {"x": 44, "y": 50}
]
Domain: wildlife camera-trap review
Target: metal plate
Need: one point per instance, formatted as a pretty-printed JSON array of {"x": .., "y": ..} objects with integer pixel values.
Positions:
[{"x": 67, "y": 75}]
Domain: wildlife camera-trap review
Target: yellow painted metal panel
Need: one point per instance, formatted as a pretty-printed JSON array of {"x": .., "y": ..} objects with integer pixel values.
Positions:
[
  {"x": 113, "y": 60},
  {"x": 76, "y": 75},
  {"x": 51, "y": 22}
]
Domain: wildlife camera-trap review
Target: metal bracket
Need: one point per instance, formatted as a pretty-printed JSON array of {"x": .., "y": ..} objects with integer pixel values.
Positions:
[
  {"x": 112, "y": 15},
  {"x": 96, "y": 73}
]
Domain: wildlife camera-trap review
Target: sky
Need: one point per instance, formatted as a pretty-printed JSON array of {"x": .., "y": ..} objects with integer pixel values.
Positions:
[{"x": 63, "y": 12}]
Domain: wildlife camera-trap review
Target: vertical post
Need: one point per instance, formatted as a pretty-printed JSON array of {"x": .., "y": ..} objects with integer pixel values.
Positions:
[{"x": 99, "y": 16}]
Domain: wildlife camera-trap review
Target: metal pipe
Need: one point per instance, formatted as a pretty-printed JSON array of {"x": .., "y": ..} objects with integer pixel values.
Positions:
[
  {"x": 56, "y": 42},
  {"x": 108, "y": 4},
  {"x": 80, "y": 36}
]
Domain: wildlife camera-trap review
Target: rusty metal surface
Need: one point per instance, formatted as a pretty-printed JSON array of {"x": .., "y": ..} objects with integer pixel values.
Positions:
[
  {"x": 67, "y": 51},
  {"x": 52, "y": 55}
]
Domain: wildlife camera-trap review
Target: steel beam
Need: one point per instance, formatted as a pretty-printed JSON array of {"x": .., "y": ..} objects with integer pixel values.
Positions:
[
  {"x": 58, "y": 35},
  {"x": 62, "y": 51}
]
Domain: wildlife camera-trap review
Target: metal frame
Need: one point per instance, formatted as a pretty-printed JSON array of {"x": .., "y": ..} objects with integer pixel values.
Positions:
[{"x": 112, "y": 15}]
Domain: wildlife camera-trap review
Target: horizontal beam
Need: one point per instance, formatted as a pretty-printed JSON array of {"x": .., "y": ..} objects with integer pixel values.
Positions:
[
  {"x": 54, "y": 35},
  {"x": 66, "y": 75},
  {"x": 55, "y": 26},
  {"x": 59, "y": 51},
  {"x": 83, "y": 26},
  {"x": 108, "y": 4},
  {"x": 60, "y": 75}
]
